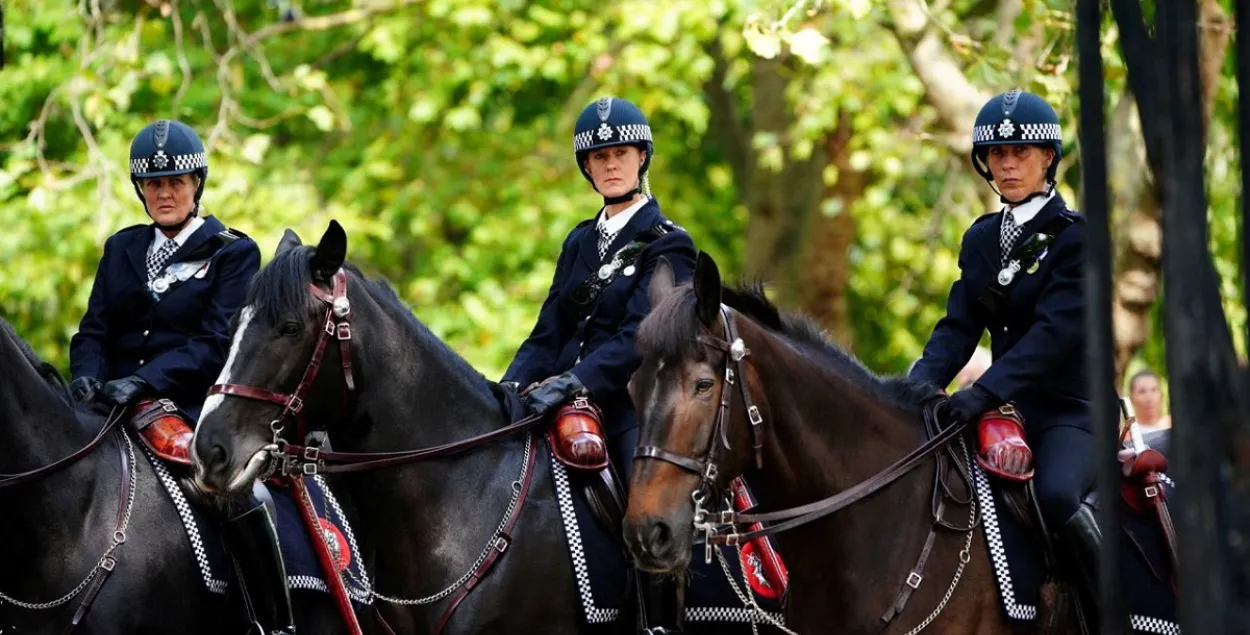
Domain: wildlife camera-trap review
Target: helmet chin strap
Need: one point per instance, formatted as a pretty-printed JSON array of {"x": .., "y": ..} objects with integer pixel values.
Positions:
[
  {"x": 1050, "y": 187},
  {"x": 613, "y": 200}
]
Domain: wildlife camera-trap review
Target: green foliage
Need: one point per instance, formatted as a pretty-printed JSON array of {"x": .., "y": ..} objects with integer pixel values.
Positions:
[{"x": 439, "y": 134}]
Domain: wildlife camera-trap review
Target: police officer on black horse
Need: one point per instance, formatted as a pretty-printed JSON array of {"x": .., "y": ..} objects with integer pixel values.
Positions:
[
  {"x": 1021, "y": 277},
  {"x": 156, "y": 332},
  {"x": 579, "y": 358}
]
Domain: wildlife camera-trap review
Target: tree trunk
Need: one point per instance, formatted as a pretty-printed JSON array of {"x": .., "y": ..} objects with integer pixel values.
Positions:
[
  {"x": 1138, "y": 227},
  {"x": 826, "y": 264}
]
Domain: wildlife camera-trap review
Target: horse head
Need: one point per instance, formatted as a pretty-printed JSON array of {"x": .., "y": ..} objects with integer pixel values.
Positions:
[
  {"x": 281, "y": 379},
  {"x": 700, "y": 412}
]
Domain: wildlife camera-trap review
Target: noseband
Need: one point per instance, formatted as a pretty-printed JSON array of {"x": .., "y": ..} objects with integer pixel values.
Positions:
[{"x": 337, "y": 324}]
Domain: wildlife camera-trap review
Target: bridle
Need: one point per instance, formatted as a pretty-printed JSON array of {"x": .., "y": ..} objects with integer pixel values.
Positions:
[
  {"x": 336, "y": 324},
  {"x": 721, "y": 528}
]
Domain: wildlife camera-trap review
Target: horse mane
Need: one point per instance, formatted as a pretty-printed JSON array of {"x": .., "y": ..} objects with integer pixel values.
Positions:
[
  {"x": 49, "y": 373},
  {"x": 281, "y": 288},
  {"x": 672, "y": 330}
]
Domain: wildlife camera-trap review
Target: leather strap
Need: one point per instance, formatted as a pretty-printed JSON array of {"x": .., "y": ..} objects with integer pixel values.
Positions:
[
  {"x": 798, "y": 516},
  {"x": 916, "y": 575},
  {"x": 333, "y": 579},
  {"x": 503, "y": 540},
  {"x": 105, "y": 567},
  {"x": 10, "y": 480}
]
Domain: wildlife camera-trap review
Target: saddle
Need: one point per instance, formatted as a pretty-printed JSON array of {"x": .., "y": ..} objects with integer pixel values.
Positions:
[{"x": 162, "y": 429}]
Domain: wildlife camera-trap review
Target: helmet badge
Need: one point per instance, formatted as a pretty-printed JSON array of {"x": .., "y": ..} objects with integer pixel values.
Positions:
[
  {"x": 160, "y": 160},
  {"x": 605, "y": 131},
  {"x": 604, "y": 108},
  {"x": 1006, "y": 129}
]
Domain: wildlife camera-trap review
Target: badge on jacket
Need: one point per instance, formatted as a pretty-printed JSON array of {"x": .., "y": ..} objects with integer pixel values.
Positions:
[{"x": 178, "y": 273}]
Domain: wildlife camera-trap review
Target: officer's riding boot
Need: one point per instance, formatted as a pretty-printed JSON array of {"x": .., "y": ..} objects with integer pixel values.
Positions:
[
  {"x": 252, "y": 539},
  {"x": 1081, "y": 539},
  {"x": 661, "y": 604}
]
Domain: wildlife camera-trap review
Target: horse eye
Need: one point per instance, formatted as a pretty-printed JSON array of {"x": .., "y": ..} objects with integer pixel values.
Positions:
[
  {"x": 290, "y": 328},
  {"x": 704, "y": 385}
]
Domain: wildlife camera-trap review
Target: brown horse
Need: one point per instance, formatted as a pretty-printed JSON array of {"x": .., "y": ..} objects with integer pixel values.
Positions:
[{"x": 802, "y": 420}]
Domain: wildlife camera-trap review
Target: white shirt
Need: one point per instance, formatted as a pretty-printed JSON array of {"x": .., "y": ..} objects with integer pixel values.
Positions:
[
  {"x": 613, "y": 226},
  {"x": 1025, "y": 212},
  {"x": 181, "y": 238}
]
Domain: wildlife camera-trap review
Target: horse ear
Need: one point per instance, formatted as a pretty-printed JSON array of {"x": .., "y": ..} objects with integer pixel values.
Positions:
[
  {"x": 707, "y": 289},
  {"x": 290, "y": 240},
  {"x": 662, "y": 281},
  {"x": 331, "y": 252}
]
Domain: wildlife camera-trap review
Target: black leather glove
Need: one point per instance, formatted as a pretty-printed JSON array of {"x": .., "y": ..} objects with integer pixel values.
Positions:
[
  {"x": 553, "y": 393},
  {"x": 125, "y": 390},
  {"x": 84, "y": 389},
  {"x": 969, "y": 404}
]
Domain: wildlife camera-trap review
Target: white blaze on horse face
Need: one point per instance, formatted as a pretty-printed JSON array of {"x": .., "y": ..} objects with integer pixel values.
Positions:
[{"x": 211, "y": 404}]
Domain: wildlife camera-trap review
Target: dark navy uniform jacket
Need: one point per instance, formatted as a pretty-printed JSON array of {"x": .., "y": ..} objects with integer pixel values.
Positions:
[
  {"x": 1038, "y": 334},
  {"x": 177, "y": 343},
  {"x": 600, "y": 349}
]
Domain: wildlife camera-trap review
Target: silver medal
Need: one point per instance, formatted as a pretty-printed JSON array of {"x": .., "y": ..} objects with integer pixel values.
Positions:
[
  {"x": 629, "y": 271},
  {"x": 1008, "y": 273},
  {"x": 605, "y": 271},
  {"x": 160, "y": 285}
]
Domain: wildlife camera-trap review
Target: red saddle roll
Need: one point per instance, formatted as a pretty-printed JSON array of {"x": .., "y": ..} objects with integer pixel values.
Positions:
[
  {"x": 576, "y": 436},
  {"x": 1002, "y": 450},
  {"x": 162, "y": 429}
]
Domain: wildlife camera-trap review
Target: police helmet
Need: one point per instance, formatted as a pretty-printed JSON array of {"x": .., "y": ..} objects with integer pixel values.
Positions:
[
  {"x": 1016, "y": 117},
  {"x": 167, "y": 148},
  {"x": 611, "y": 121}
]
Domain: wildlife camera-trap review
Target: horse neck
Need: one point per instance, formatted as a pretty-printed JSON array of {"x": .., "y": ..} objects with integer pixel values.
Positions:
[
  {"x": 425, "y": 521},
  {"x": 36, "y": 427},
  {"x": 826, "y": 434},
  {"x": 50, "y": 514}
]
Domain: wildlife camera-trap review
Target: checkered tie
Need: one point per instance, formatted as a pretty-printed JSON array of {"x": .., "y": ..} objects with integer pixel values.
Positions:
[
  {"x": 605, "y": 241},
  {"x": 156, "y": 261},
  {"x": 1010, "y": 232}
]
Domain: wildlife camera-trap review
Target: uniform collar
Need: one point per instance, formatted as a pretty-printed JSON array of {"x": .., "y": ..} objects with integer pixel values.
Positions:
[
  {"x": 1025, "y": 212},
  {"x": 181, "y": 238},
  {"x": 613, "y": 226}
]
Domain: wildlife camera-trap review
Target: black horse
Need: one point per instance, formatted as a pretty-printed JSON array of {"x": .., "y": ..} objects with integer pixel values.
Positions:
[
  {"x": 422, "y": 526},
  {"x": 59, "y": 527}
]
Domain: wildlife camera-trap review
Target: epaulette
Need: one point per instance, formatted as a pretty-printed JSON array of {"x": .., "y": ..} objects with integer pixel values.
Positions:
[
  {"x": 230, "y": 234},
  {"x": 663, "y": 227},
  {"x": 1073, "y": 216},
  {"x": 586, "y": 222}
]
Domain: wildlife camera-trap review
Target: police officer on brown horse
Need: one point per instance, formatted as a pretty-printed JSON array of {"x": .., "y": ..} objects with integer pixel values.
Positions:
[
  {"x": 581, "y": 352},
  {"x": 1021, "y": 277}
]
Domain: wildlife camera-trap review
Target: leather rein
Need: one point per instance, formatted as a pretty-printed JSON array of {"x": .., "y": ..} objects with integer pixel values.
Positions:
[
  {"x": 720, "y": 528},
  {"x": 310, "y": 458}
]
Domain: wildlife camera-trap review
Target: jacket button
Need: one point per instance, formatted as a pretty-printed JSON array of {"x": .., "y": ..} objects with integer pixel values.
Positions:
[
  {"x": 141, "y": 362},
  {"x": 145, "y": 332}
]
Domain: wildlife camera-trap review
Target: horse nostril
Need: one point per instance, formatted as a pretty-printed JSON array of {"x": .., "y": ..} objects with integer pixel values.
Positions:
[
  {"x": 659, "y": 536},
  {"x": 217, "y": 456}
]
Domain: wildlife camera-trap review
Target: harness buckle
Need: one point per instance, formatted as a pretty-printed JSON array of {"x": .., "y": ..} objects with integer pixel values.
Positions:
[
  {"x": 729, "y": 375},
  {"x": 344, "y": 331},
  {"x": 1151, "y": 491},
  {"x": 107, "y": 563},
  {"x": 310, "y": 469},
  {"x": 295, "y": 404},
  {"x": 914, "y": 579},
  {"x": 312, "y": 453},
  {"x": 753, "y": 413},
  {"x": 168, "y": 406},
  {"x": 500, "y": 543}
]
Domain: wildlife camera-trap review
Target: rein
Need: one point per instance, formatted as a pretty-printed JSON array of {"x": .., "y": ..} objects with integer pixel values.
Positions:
[
  {"x": 10, "y": 480},
  {"x": 713, "y": 525}
]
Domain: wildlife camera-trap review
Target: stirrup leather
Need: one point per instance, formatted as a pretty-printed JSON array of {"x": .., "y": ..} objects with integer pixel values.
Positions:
[
  {"x": 163, "y": 429},
  {"x": 1000, "y": 438}
]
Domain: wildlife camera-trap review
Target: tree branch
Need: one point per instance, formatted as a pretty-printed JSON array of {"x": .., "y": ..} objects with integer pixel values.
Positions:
[
  {"x": 734, "y": 135},
  {"x": 946, "y": 87}
]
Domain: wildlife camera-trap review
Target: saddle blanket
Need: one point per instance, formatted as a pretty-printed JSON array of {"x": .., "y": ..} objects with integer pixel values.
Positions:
[
  {"x": 599, "y": 565},
  {"x": 302, "y": 567},
  {"x": 1019, "y": 564}
]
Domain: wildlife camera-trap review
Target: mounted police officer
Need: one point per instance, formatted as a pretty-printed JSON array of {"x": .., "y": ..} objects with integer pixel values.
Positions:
[
  {"x": 156, "y": 330},
  {"x": 1021, "y": 277},
  {"x": 581, "y": 349}
]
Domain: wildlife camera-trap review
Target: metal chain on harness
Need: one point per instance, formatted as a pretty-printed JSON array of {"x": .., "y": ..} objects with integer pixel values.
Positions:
[
  {"x": 490, "y": 545},
  {"x": 106, "y": 561}
]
